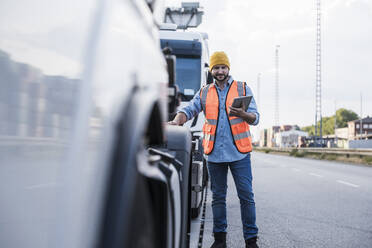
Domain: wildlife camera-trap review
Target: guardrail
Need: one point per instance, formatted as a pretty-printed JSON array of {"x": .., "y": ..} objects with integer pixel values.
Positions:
[
  {"x": 362, "y": 156},
  {"x": 365, "y": 152}
]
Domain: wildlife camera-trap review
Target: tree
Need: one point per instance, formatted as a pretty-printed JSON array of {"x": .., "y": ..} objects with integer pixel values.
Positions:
[
  {"x": 328, "y": 125},
  {"x": 343, "y": 116},
  {"x": 309, "y": 129}
]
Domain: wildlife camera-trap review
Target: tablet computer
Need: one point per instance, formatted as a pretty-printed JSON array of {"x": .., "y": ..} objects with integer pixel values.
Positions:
[{"x": 242, "y": 101}]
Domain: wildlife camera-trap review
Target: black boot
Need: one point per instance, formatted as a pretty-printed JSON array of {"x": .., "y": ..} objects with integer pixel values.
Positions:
[
  {"x": 251, "y": 243},
  {"x": 219, "y": 240}
]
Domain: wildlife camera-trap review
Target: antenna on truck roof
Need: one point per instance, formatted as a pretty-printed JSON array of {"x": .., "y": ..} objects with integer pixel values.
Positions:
[{"x": 188, "y": 16}]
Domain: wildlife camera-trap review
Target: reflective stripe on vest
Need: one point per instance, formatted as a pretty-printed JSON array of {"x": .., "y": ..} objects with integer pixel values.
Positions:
[
  {"x": 238, "y": 127},
  {"x": 203, "y": 96},
  {"x": 211, "y": 117}
]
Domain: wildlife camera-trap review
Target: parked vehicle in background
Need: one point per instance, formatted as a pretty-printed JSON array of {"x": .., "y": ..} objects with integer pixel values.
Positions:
[{"x": 86, "y": 160}]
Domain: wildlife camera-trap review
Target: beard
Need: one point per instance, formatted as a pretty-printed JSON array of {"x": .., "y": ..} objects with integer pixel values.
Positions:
[{"x": 224, "y": 78}]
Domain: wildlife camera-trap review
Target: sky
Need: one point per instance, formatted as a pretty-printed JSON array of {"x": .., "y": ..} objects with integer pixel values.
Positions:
[{"x": 248, "y": 31}]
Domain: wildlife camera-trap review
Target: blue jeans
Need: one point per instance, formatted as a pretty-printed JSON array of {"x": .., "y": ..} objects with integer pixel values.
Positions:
[{"x": 242, "y": 174}]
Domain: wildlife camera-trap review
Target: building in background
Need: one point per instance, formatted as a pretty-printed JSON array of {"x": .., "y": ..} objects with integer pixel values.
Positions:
[
  {"x": 354, "y": 135},
  {"x": 281, "y": 136},
  {"x": 271, "y": 135},
  {"x": 360, "y": 133},
  {"x": 263, "y": 138},
  {"x": 341, "y": 137},
  {"x": 289, "y": 138},
  {"x": 360, "y": 129}
]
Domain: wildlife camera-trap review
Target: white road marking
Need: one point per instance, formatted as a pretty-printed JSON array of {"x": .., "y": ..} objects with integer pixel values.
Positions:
[
  {"x": 315, "y": 175},
  {"x": 348, "y": 184},
  {"x": 295, "y": 169},
  {"x": 41, "y": 185}
]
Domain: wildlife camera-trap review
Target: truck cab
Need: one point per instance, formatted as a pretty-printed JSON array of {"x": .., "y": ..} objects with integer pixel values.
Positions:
[
  {"x": 192, "y": 55},
  {"x": 192, "y": 73}
]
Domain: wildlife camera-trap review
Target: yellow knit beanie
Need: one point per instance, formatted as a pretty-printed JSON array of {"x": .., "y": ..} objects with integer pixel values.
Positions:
[{"x": 218, "y": 58}]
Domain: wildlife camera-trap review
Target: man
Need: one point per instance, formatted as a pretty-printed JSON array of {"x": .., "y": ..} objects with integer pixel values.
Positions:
[{"x": 227, "y": 144}]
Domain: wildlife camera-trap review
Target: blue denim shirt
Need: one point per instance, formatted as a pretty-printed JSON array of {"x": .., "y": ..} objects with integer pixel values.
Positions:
[{"x": 224, "y": 149}]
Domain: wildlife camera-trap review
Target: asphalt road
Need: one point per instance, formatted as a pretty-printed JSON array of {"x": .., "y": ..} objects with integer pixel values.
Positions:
[{"x": 303, "y": 203}]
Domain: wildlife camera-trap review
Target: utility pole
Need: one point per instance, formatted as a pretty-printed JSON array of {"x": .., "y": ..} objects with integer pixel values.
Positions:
[
  {"x": 258, "y": 102},
  {"x": 318, "y": 78},
  {"x": 277, "y": 85},
  {"x": 335, "y": 123},
  {"x": 361, "y": 114}
]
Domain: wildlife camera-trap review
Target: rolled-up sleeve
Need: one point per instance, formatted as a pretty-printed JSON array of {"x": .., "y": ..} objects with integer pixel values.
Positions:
[
  {"x": 252, "y": 106},
  {"x": 193, "y": 108}
]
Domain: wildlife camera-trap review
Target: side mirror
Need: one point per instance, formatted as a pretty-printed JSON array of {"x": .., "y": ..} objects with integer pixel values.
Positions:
[
  {"x": 209, "y": 77},
  {"x": 172, "y": 87}
]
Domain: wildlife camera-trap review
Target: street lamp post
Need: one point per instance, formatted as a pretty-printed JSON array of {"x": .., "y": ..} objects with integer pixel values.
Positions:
[
  {"x": 277, "y": 85},
  {"x": 361, "y": 115}
]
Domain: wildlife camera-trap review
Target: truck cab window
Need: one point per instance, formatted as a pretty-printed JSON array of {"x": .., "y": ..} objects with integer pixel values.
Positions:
[{"x": 187, "y": 79}]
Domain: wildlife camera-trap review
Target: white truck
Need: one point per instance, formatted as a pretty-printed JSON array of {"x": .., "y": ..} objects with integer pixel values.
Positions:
[
  {"x": 192, "y": 72},
  {"x": 86, "y": 157}
]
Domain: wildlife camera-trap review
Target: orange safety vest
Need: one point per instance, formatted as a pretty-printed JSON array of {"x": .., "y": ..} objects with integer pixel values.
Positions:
[{"x": 210, "y": 105}]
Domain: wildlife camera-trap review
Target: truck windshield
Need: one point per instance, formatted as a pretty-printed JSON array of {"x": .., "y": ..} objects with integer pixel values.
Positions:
[{"x": 188, "y": 75}]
